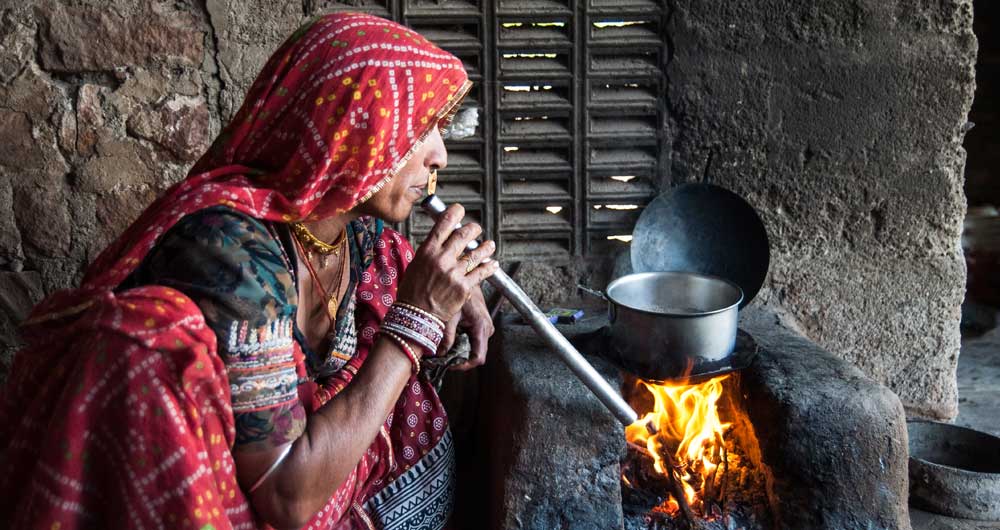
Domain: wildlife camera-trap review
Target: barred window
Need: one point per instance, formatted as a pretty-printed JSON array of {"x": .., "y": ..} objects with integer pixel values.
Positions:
[{"x": 572, "y": 125}]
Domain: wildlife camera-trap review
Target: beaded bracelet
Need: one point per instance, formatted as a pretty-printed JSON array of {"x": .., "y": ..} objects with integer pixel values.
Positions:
[
  {"x": 405, "y": 346},
  {"x": 409, "y": 324},
  {"x": 424, "y": 312}
]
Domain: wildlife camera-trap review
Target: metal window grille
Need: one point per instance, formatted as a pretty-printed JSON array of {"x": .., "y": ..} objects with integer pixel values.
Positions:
[{"x": 572, "y": 123}]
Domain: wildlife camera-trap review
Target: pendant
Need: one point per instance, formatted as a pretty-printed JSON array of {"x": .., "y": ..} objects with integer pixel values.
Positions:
[
  {"x": 331, "y": 308},
  {"x": 324, "y": 260}
]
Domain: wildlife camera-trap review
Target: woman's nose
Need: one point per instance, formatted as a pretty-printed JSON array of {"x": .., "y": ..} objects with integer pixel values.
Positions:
[{"x": 437, "y": 155}]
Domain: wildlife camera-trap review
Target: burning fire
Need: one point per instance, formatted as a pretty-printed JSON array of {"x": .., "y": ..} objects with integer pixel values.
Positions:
[{"x": 688, "y": 446}]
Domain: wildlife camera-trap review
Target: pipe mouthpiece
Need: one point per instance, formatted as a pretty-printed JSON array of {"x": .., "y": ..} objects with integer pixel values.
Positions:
[{"x": 433, "y": 205}]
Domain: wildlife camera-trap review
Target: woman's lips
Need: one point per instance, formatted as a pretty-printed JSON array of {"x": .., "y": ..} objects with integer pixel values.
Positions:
[{"x": 418, "y": 189}]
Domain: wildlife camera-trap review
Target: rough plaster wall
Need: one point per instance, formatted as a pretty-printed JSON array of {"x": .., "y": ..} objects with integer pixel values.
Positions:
[
  {"x": 841, "y": 121},
  {"x": 103, "y": 105}
]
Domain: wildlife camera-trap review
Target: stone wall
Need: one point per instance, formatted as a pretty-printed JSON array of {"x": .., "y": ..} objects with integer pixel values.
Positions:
[
  {"x": 103, "y": 105},
  {"x": 840, "y": 121}
]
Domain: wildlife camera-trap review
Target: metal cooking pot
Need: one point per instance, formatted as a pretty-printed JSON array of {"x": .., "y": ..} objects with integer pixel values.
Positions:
[
  {"x": 665, "y": 325},
  {"x": 705, "y": 229}
]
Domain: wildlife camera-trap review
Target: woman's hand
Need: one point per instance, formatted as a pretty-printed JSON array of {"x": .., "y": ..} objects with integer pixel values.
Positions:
[
  {"x": 437, "y": 280},
  {"x": 474, "y": 319}
]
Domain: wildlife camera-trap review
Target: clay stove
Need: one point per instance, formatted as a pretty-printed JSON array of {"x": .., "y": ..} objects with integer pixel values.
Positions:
[{"x": 806, "y": 442}]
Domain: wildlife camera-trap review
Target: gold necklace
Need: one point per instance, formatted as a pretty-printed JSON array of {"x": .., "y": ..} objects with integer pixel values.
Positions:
[
  {"x": 314, "y": 245},
  {"x": 333, "y": 304},
  {"x": 332, "y": 301}
]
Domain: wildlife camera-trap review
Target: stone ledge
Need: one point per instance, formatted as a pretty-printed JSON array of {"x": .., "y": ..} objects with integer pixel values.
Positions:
[
  {"x": 833, "y": 441},
  {"x": 554, "y": 449}
]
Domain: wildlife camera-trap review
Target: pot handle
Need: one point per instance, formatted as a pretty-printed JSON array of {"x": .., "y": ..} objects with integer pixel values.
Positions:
[{"x": 592, "y": 292}]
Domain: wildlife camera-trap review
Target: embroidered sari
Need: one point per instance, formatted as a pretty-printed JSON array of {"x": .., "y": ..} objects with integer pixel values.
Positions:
[{"x": 125, "y": 405}]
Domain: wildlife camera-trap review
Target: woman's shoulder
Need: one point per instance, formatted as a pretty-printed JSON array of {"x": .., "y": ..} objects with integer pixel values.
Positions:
[
  {"x": 223, "y": 234},
  {"x": 223, "y": 226},
  {"x": 229, "y": 262}
]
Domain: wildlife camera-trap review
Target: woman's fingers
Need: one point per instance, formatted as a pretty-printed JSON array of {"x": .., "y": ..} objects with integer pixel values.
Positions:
[
  {"x": 457, "y": 241},
  {"x": 438, "y": 280},
  {"x": 480, "y": 273},
  {"x": 474, "y": 257},
  {"x": 444, "y": 226},
  {"x": 449, "y": 334},
  {"x": 480, "y": 330}
]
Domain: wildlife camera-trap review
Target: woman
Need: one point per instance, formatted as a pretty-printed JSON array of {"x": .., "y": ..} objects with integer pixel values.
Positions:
[{"x": 247, "y": 353}]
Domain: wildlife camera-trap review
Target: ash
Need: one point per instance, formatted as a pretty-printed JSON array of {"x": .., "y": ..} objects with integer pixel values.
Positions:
[{"x": 740, "y": 504}]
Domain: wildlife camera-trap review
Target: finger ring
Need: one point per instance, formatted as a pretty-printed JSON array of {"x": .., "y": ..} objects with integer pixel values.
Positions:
[{"x": 469, "y": 264}]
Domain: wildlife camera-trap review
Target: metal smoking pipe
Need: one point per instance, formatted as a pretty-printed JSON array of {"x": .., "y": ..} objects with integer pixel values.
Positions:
[{"x": 583, "y": 370}]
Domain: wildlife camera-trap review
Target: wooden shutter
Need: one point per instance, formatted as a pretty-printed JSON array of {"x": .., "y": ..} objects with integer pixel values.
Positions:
[{"x": 571, "y": 135}]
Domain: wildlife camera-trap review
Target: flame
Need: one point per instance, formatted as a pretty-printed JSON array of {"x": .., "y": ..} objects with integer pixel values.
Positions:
[{"x": 688, "y": 427}]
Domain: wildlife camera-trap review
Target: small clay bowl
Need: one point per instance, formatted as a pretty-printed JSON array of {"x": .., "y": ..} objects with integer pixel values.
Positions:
[{"x": 954, "y": 471}]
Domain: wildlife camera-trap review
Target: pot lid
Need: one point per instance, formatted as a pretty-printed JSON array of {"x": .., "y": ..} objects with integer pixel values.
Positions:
[{"x": 705, "y": 229}]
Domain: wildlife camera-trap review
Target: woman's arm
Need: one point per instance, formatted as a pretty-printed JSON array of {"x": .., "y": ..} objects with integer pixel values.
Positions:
[
  {"x": 335, "y": 438},
  {"x": 338, "y": 434}
]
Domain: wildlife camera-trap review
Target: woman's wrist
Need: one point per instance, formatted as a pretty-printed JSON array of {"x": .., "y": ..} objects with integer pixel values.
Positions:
[
  {"x": 417, "y": 327},
  {"x": 404, "y": 346},
  {"x": 426, "y": 312}
]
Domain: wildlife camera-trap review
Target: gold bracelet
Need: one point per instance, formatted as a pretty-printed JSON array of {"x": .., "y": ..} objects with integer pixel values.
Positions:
[
  {"x": 426, "y": 313},
  {"x": 403, "y": 345}
]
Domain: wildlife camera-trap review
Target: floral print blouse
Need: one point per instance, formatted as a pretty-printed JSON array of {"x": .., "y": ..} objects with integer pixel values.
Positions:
[{"x": 241, "y": 273}]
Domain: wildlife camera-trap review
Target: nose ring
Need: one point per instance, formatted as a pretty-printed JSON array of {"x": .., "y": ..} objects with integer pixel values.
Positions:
[{"x": 432, "y": 182}]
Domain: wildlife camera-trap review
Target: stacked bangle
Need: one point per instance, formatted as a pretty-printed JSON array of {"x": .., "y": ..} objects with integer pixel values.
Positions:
[
  {"x": 423, "y": 312},
  {"x": 405, "y": 346},
  {"x": 416, "y": 325}
]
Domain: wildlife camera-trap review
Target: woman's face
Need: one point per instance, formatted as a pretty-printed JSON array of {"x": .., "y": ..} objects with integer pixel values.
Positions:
[{"x": 394, "y": 201}]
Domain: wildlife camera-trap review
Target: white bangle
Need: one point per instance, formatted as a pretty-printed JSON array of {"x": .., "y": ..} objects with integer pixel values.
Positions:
[{"x": 274, "y": 465}]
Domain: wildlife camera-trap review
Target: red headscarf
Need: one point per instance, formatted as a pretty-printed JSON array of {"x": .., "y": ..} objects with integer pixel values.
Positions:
[{"x": 334, "y": 114}]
